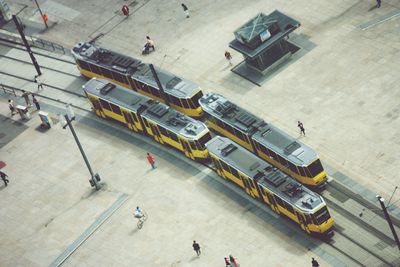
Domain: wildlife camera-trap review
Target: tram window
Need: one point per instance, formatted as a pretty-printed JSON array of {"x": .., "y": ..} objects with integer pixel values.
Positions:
[
  {"x": 301, "y": 169},
  {"x": 163, "y": 131},
  {"x": 234, "y": 172},
  {"x": 229, "y": 128},
  {"x": 279, "y": 201},
  {"x": 289, "y": 207},
  {"x": 105, "y": 104},
  {"x": 264, "y": 150},
  {"x": 195, "y": 99},
  {"x": 282, "y": 160},
  {"x": 224, "y": 166},
  {"x": 193, "y": 145},
  {"x": 106, "y": 72},
  {"x": 204, "y": 139},
  {"x": 95, "y": 69},
  {"x": 83, "y": 65},
  {"x": 154, "y": 91},
  {"x": 185, "y": 103},
  {"x": 315, "y": 168},
  {"x": 272, "y": 154},
  {"x": 115, "y": 109},
  {"x": 134, "y": 116},
  {"x": 173, "y": 136},
  {"x": 293, "y": 167},
  {"x": 308, "y": 174},
  {"x": 238, "y": 134},
  {"x": 219, "y": 123},
  {"x": 191, "y": 105},
  {"x": 146, "y": 123}
]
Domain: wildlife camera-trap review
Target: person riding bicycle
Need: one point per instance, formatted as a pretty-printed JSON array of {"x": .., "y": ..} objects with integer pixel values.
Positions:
[{"x": 138, "y": 212}]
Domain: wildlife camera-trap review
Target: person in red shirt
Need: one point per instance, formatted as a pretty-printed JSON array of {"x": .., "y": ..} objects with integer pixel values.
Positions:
[
  {"x": 125, "y": 10},
  {"x": 150, "y": 159}
]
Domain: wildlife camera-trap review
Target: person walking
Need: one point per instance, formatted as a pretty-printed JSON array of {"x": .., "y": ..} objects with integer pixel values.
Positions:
[
  {"x": 36, "y": 102},
  {"x": 39, "y": 82},
  {"x": 25, "y": 95},
  {"x": 378, "y": 3},
  {"x": 186, "y": 10},
  {"x": 125, "y": 10},
  {"x": 196, "y": 248},
  {"x": 233, "y": 261},
  {"x": 4, "y": 178},
  {"x": 301, "y": 127},
  {"x": 227, "y": 263},
  {"x": 11, "y": 106},
  {"x": 228, "y": 57},
  {"x": 150, "y": 159},
  {"x": 314, "y": 263}
]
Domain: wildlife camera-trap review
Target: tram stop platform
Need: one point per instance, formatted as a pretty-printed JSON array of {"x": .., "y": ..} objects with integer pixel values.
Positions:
[{"x": 264, "y": 43}]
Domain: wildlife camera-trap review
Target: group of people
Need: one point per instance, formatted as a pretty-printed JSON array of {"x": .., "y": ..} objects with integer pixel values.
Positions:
[{"x": 25, "y": 95}]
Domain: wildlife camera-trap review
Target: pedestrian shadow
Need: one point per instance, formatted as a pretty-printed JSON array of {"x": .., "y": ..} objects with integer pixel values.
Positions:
[
  {"x": 227, "y": 67},
  {"x": 372, "y": 8},
  {"x": 134, "y": 231},
  {"x": 194, "y": 258},
  {"x": 2, "y": 187}
]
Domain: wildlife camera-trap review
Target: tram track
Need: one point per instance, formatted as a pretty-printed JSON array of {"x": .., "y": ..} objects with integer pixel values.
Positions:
[
  {"x": 41, "y": 66},
  {"x": 21, "y": 47},
  {"x": 45, "y": 84}
]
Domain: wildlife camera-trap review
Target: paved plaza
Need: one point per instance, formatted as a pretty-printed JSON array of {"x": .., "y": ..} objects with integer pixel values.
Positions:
[{"x": 343, "y": 85}]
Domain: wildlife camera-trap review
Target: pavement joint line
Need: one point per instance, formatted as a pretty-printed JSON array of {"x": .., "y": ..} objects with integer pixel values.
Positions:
[
  {"x": 89, "y": 231},
  {"x": 379, "y": 20}
]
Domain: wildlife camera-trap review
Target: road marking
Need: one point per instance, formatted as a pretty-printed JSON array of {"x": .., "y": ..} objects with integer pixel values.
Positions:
[
  {"x": 89, "y": 231},
  {"x": 380, "y": 20}
]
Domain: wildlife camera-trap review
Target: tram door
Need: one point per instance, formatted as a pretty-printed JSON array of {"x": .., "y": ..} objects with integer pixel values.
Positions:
[
  {"x": 247, "y": 185},
  {"x": 156, "y": 133},
  {"x": 302, "y": 222},
  {"x": 186, "y": 149},
  {"x": 129, "y": 121},
  {"x": 272, "y": 202},
  {"x": 97, "y": 107}
]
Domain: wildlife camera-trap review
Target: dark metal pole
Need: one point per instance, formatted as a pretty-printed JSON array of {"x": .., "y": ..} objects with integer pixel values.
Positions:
[
  {"x": 82, "y": 152},
  {"x": 41, "y": 14},
  {"x": 164, "y": 95},
  {"x": 381, "y": 201},
  {"x": 28, "y": 48}
]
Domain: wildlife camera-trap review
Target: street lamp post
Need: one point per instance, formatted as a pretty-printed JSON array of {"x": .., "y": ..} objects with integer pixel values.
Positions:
[
  {"x": 382, "y": 202},
  {"x": 66, "y": 121},
  {"x": 41, "y": 14}
]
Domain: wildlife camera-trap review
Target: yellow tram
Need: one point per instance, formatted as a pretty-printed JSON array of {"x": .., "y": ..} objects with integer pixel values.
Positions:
[
  {"x": 144, "y": 115},
  {"x": 264, "y": 140},
  {"x": 181, "y": 94},
  {"x": 279, "y": 191}
]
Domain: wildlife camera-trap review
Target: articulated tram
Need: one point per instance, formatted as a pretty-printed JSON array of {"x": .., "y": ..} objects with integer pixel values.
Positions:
[
  {"x": 144, "y": 115},
  {"x": 264, "y": 182},
  {"x": 170, "y": 127},
  {"x": 263, "y": 139},
  {"x": 181, "y": 94}
]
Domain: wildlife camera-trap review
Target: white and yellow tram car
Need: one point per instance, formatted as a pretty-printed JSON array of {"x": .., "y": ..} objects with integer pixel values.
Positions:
[
  {"x": 271, "y": 186},
  {"x": 264, "y": 140},
  {"x": 144, "y": 115},
  {"x": 181, "y": 94}
]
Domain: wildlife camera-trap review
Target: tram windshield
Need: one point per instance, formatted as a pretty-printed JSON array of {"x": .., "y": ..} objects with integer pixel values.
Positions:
[
  {"x": 321, "y": 216},
  {"x": 204, "y": 139},
  {"x": 315, "y": 168},
  {"x": 195, "y": 99}
]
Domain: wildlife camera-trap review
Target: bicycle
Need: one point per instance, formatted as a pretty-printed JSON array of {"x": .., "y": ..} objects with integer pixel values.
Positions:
[{"x": 141, "y": 220}]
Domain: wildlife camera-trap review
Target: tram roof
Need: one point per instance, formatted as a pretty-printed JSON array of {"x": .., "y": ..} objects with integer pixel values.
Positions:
[
  {"x": 138, "y": 70},
  {"x": 264, "y": 133},
  {"x": 161, "y": 114},
  {"x": 267, "y": 176}
]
